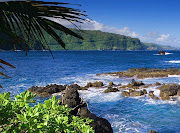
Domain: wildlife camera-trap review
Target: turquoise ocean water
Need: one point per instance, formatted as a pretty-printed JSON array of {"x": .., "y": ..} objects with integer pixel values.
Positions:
[{"x": 131, "y": 115}]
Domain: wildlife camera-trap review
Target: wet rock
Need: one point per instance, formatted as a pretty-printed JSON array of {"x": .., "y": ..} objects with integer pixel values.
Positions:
[
  {"x": 156, "y": 98},
  {"x": 168, "y": 90},
  {"x": 137, "y": 93},
  {"x": 161, "y": 53},
  {"x": 178, "y": 93},
  {"x": 71, "y": 97},
  {"x": 79, "y": 108},
  {"x": 134, "y": 83},
  {"x": 147, "y": 86},
  {"x": 151, "y": 94},
  {"x": 47, "y": 90},
  {"x": 130, "y": 90},
  {"x": 142, "y": 73},
  {"x": 152, "y": 131},
  {"x": 144, "y": 91},
  {"x": 110, "y": 89},
  {"x": 111, "y": 84},
  {"x": 157, "y": 84},
  {"x": 125, "y": 94},
  {"x": 95, "y": 84}
]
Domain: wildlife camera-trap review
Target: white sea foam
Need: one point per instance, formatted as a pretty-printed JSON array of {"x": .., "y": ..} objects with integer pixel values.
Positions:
[
  {"x": 157, "y": 102},
  {"x": 174, "y": 61},
  {"x": 166, "y": 53},
  {"x": 125, "y": 125},
  {"x": 173, "y": 76},
  {"x": 97, "y": 95}
]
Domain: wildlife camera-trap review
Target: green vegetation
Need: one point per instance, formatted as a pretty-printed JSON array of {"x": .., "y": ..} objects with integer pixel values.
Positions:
[
  {"x": 96, "y": 40},
  {"x": 152, "y": 46},
  {"x": 18, "y": 116}
]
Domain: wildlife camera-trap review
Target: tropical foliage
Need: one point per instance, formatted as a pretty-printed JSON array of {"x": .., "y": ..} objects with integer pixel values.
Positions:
[
  {"x": 24, "y": 23},
  {"x": 18, "y": 116}
]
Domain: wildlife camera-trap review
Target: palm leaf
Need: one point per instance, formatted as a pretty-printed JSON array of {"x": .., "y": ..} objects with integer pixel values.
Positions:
[
  {"x": 23, "y": 24},
  {"x": 28, "y": 20}
]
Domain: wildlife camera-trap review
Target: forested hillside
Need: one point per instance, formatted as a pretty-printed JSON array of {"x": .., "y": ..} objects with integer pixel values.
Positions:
[{"x": 97, "y": 40}]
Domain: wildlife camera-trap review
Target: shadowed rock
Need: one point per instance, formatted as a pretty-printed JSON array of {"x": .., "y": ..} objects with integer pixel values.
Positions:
[
  {"x": 168, "y": 90},
  {"x": 151, "y": 94},
  {"x": 95, "y": 84},
  {"x": 161, "y": 53},
  {"x": 137, "y": 93},
  {"x": 50, "y": 89},
  {"x": 125, "y": 94},
  {"x": 47, "y": 90},
  {"x": 79, "y": 108},
  {"x": 110, "y": 89},
  {"x": 152, "y": 131}
]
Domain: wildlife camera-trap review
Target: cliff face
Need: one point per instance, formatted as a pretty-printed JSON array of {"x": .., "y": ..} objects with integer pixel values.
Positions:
[{"x": 96, "y": 40}]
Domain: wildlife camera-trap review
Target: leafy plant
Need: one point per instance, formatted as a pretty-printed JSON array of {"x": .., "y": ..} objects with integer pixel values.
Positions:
[{"x": 19, "y": 117}]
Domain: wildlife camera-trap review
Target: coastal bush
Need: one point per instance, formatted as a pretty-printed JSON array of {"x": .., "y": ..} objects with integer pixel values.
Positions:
[{"x": 17, "y": 116}]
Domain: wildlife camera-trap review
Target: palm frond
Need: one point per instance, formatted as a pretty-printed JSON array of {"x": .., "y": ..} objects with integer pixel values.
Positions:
[{"x": 25, "y": 22}]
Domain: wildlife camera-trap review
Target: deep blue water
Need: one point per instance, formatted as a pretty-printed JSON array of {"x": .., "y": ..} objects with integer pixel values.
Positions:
[{"x": 125, "y": 114}]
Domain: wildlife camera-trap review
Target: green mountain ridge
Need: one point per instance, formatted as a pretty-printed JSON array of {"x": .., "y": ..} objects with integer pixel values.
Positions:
[{"x": 98, "y": 40}]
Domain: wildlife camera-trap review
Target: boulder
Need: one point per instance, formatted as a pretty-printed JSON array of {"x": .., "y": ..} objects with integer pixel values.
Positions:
[
  {"x": 125, "y": 94},
  {"x": 151, "y": 94},
  {"x": 157, "y": 84},
  {"x": 168, "y": 90},
  {"x": 47, "y": 90},
  {"x": 79, "y": 108},
  {"x": 111, "y": 84},
  {"x": 137, "y": 93},
  {"x": 152, "y": 131},
  {"x": 95, "y": 84},
  {"x": 70, "y": 97},
  {"x": 178, "y": 93},
  {"x": 110, "y": 89},
  {"x": 161, "y": 53},
  {"x": 130, "y": 90},
  {"x": 134, "y": 83},
  {"x": 144, "y": 91}
]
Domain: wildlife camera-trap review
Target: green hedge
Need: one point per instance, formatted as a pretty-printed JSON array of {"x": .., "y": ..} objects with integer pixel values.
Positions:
[{"x": 17, "y": 116}]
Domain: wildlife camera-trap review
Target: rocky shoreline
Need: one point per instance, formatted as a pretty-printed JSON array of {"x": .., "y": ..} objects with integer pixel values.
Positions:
[
  {"x": 142, "y": 73},
  {"x": 70, "y": 95}
]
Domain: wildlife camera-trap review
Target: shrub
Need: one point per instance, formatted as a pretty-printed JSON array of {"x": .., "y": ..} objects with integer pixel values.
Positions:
[{"x": 18, "y": 116}]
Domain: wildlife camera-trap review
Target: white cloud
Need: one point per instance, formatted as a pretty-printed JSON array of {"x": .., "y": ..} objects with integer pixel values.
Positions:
[
  {"x": 163, "y": 37},
  {"x": 151, "y": 37}
]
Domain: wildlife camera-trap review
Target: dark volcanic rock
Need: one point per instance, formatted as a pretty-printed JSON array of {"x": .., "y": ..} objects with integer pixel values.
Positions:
[
  {"x": 50, "y": 89},
  {"x": 137, "y": 93},
  {"x": 152, "y": 131},
  {"x": 134, "y": 83},
  {"x": 142, "y": 73},
  {"x": 110, "y": 89},
  {"x": 95, "y": 84},
  {"x": 151, "y": 94},
  {"x": 168, "y": 90},
  {"x": 125, "y": 94},
  {"x": 111, "y": 84},
  {"x": 79, "y": 108},
  {"x": 71, "y": 97},
  {"x": 161, "y": 53},
  {"x": 47, "y": 90},
  {"x": 178, "y": 93},
  {"x": 157, "y": 84},
  {"x": 144, "y": 91}
]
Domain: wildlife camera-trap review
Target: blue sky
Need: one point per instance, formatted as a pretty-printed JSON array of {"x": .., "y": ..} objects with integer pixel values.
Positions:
[{"x": 156, "y": 21}]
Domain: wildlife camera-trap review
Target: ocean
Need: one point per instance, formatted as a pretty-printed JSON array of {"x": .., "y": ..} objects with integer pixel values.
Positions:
[{"x": 126, "y": 115}]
